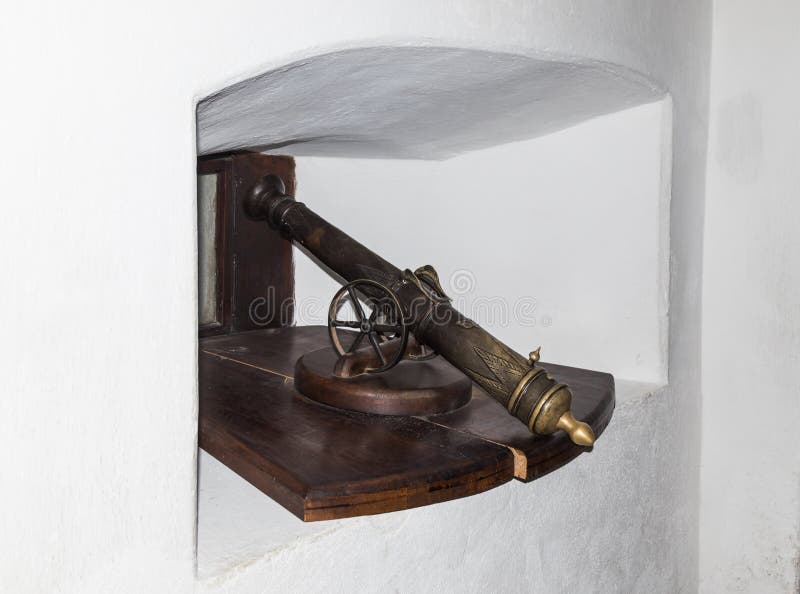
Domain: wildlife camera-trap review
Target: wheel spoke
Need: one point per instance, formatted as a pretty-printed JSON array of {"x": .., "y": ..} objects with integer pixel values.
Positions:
[
  {"x": 377, "y": 348},
  {"x": 356, "y": 303},
  {"x": 345, "y": 324},
  {"x": 356, "y": 342}
]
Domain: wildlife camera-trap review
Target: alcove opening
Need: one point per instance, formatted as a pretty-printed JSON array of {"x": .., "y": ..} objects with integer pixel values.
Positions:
[{"x": 549, "y": 226}]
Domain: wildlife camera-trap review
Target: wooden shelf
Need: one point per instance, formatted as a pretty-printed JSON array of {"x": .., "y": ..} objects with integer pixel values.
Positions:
[{"x": 323, "y": 463}]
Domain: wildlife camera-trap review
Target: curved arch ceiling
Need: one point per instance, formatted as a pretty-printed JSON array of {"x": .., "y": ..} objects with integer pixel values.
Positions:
[{"x": 411, "y": 102}]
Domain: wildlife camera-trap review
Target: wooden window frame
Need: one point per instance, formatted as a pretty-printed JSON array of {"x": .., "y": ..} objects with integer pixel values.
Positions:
[{"x": 253, "y": 261}]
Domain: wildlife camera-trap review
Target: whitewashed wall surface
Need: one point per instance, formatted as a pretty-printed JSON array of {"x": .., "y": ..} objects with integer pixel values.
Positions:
[
  {"x": 596, "y": 111},
  {"x": 750, "y": 518}
]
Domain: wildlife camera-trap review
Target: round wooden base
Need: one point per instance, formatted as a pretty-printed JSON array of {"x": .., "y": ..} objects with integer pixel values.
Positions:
[{"x": 410, "y": 388}]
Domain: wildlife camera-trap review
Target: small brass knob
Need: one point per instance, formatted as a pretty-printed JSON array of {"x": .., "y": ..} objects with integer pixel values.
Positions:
[
  {"x": 553, "y": 412},
  {"x": 578, "y": 431},
  {"x": 533, "y": 358}
]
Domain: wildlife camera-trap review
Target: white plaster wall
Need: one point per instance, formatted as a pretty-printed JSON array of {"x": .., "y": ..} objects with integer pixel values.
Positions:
[
  {"x": 98, "y": 411},
  {"x": 751, "y": 315},
  {"x": 555, "y": 241}
]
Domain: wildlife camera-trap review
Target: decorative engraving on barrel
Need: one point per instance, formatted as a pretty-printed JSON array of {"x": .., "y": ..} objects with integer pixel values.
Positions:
[{"x": 506, "y": 373}]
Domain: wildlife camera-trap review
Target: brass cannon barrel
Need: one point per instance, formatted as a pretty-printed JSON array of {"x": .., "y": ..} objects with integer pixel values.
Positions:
[{"x": 525, "y": 389}]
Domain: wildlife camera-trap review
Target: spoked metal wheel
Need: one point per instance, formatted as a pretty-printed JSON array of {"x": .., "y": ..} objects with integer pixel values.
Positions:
[{"x": 363, "y": 313}]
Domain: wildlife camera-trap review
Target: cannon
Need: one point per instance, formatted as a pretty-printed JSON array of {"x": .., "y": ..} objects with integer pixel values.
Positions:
[{"x": 384, "y": 316}]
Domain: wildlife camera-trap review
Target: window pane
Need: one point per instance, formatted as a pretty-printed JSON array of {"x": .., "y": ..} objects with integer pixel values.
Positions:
[{"x": 206, "y": 247}]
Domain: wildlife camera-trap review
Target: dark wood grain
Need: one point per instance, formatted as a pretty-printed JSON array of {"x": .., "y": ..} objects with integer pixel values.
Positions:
[
  {"x": 322, "y": 463},
  {"x": 593, "y": 402},
  {"x": 273, "y": 349},
  {"x": 409, "y": 388},
  {"x": 325, "y": 463}
]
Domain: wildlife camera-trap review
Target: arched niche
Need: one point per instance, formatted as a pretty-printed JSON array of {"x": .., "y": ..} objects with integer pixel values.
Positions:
[{"x": 412, "y": 102}]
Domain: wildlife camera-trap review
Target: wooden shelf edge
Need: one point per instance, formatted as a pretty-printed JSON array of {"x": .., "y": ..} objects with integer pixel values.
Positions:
[
  {"x": 383, "y": 501},
  {"x": 253, "y": 421}
]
